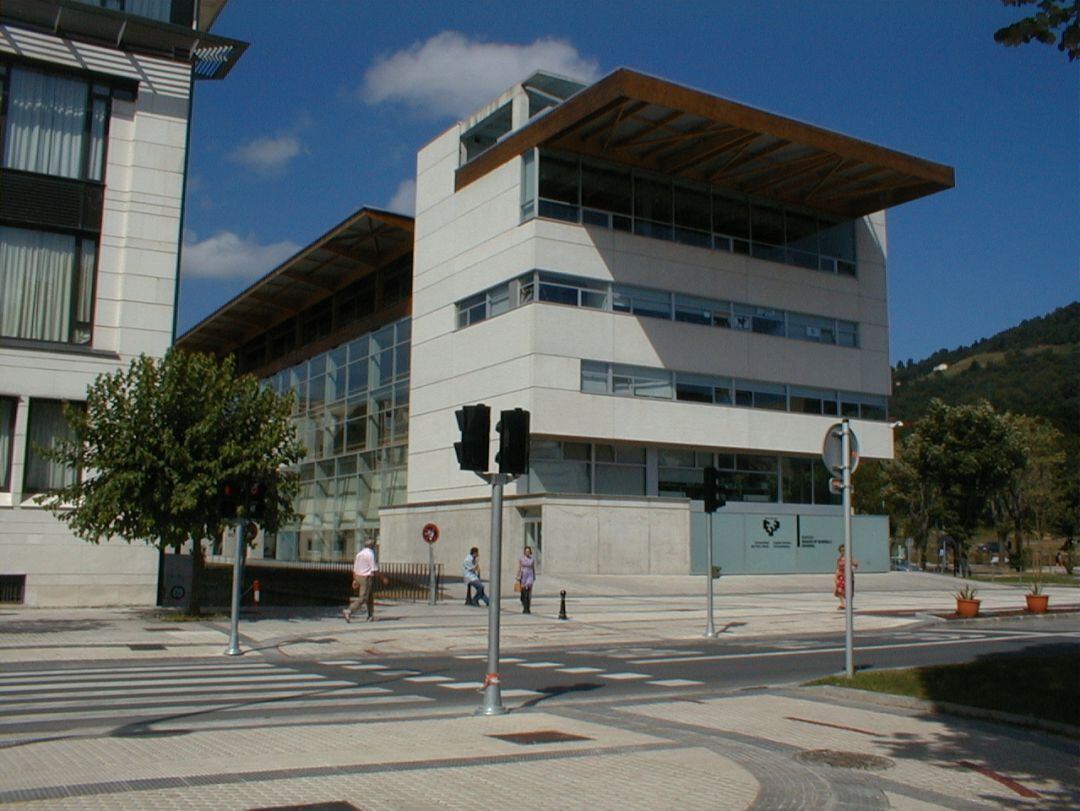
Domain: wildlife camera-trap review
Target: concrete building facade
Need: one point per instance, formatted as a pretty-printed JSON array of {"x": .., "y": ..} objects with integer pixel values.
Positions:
[{"x": 95, "y": 105}]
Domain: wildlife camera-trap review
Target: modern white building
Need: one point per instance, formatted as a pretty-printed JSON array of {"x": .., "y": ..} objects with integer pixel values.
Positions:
[
  {"x": 95, "y": 107},
  {"x": 665, "y": 279}
]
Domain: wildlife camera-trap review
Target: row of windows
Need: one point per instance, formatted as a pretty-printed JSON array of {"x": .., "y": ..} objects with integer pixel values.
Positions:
[
  {"x": 44, "y": 427},
  {"x": 627, "y": 470},
  {"x": 598, "y": 377},
  {"x": 590, "y": 192},
  {"x": 576, "y": 291}
]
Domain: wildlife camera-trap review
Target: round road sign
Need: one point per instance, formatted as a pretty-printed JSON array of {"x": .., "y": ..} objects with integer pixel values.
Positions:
[
  {"x": 832, "y": 450},
  {"x": 430, "y": 533}
]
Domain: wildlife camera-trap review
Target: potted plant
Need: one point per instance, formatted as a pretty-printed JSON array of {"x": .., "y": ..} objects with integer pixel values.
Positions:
[
  {"x": 1036, "y": 600},
  {"x": 966, "y": 604}
]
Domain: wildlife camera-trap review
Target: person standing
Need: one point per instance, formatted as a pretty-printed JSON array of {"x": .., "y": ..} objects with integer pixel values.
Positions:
[
  {"x": 471, "y": 576},
  {"x": 839, "y": 591},
  {"x": 526, "y": 576},
  {"x": 364, "y": 568}
]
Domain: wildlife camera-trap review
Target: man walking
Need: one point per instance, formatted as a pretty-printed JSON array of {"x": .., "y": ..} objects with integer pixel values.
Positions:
[
  {"x": 471, "y": 576},
  {"x": 364, "y": 568}
]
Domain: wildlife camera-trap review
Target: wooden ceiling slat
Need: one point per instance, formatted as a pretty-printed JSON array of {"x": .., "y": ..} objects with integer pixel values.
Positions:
[
  {"x": 788, "y": 173},
  {"x": 704, "y": 153},
  {"x": 651, "y": 126},
  {"x": 728, "y": 176}
]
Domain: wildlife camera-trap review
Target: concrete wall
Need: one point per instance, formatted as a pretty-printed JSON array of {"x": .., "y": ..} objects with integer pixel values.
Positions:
[{"x": 133, "y": 314}]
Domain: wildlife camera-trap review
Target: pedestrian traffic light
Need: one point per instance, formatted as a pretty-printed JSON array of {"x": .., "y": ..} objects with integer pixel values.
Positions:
[
  {"x": 714, "y": 490},
  {"x": 229, "y": 498},
  {"x": 474, "y": 422},
  {"x": 513, "y": 430},
  {"x": 256, "y": 502}
]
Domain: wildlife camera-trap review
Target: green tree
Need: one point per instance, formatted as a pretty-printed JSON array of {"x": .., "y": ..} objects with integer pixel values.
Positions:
[
  {"x": 155, "y": 441},
  {"x": 1054, "y": 18},
  {"x": 966, "y": 454},
  {"x": 1032, "y": 496},
  {"x": 913, "y": 500}
]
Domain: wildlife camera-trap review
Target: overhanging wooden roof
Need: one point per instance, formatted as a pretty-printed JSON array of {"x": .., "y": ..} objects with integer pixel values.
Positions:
[
  {"x": 363, "y": 243},
  {"x": 649, "y": 123}
]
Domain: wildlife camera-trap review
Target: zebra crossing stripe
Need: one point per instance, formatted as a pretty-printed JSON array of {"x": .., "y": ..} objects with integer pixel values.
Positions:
[
  {"x": 463, "y": 685},
  {"x": 421, "y": 679},
  {"x": 581, "y": 669},
  {"x": 540, "y": 664},
  {"x": 624, "y": 676},
  {"x": 519, "y": 693},
  {"x": 675, "y": 682}
]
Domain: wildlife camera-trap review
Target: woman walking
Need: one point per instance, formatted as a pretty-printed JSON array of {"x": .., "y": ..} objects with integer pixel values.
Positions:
[
  {"x": 526, "y": 576},
  {"x": 839, "y": 591}
]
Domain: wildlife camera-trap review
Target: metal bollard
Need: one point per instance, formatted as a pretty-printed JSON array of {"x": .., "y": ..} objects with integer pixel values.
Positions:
[{"x": 562, "y": 605}]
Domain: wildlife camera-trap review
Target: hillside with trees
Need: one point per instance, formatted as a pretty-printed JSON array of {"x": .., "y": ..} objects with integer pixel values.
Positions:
[
  {"x": 990, "y": 445},
  {"x": 1031, "y": 369}
]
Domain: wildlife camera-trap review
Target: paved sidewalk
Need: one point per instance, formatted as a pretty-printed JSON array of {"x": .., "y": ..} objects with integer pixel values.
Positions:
[{"x": 789, "y": 747}]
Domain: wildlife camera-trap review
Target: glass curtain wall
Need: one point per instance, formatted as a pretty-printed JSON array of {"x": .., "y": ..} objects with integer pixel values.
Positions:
[{"x": 352, "y": 414}]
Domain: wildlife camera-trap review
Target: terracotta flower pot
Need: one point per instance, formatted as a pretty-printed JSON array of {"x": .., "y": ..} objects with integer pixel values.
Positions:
[
  {"x": 1036, "y": 603},
  {"x": 967, "y": 608}
]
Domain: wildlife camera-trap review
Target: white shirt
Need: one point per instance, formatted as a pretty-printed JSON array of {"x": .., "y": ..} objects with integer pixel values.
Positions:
[{"x": 365, "y": 565}]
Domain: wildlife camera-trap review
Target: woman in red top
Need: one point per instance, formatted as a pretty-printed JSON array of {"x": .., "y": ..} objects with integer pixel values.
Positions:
[{"x": 839, "y": 591}]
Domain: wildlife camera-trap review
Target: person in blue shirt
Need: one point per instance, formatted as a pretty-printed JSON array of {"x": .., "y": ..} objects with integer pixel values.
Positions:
[{"x": 471, "y": 576}]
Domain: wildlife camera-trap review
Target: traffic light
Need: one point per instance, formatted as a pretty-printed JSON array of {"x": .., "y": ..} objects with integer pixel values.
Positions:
[
  {"x": 256, "y": 503},
  {"x": 474, "y": 422},
  {"x": 229, "y": 497},
  {"x": 714, "y": 490},
  {"x": 513, "y": 430}
]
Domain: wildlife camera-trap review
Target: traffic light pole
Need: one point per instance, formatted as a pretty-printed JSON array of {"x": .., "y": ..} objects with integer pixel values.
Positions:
[
  {"x": 710, "y": 629},
  {"x": 237, "y": 585},
  {"x": 849, "y": 618},
  {"x": 492, "y": 693}
]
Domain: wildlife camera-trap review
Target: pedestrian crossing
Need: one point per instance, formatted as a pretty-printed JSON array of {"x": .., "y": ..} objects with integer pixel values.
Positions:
[
  {"x": 132, "y": 693},
  {"x": 127, "y": 694}
]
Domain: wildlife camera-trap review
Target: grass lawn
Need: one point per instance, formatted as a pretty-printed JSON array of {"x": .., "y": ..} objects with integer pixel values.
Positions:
[{"x": 1041, "y": 686}]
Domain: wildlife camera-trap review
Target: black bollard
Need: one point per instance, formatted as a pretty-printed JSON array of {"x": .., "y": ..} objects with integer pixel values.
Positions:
[{"x": 562, "y": 605}]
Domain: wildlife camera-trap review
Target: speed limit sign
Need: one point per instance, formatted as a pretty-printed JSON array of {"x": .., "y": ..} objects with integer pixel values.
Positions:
[{"x": 430, "y": 533}]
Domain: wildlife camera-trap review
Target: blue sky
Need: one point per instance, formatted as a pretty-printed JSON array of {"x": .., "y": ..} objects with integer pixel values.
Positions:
[{"x": 326, "y": 110}]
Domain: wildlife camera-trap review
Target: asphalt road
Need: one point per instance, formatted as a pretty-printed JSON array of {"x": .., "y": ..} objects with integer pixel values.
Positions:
[{"x": 174, "y": 696}]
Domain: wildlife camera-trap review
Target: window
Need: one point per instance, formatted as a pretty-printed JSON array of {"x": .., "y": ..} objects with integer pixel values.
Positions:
[
  {"x": 528, "y": 184},
  {"x": 47, "y": 281},
  {"x": 620, "y": 470},
  {"x": 7, "y": 431},
  {"x": 54, "y": 125},
  {"x": 641, "y": 301},
  {"x": 45, "y": 428}
]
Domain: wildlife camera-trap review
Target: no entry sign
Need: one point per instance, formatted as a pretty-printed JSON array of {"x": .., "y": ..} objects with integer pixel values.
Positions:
[{"x": 430, "y": 533}]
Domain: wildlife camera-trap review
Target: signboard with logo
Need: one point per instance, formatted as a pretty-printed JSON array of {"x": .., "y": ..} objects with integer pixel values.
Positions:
[{"x": 770, "y": 543}]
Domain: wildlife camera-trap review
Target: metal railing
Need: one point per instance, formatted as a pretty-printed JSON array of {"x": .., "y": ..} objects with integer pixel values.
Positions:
[{"x": 315, "y": 582}]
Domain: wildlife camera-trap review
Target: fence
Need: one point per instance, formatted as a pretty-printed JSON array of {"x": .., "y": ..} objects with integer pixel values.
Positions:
[{"x": 313, "y": 583}]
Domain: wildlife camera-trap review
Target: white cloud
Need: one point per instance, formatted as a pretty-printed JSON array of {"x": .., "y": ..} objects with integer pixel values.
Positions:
[
  {"x": 228, "y": 256},
  {"x": 267, "y": 154},
  {"x": 450, "y": 75},
  {"x": 404, "y": 199}
]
